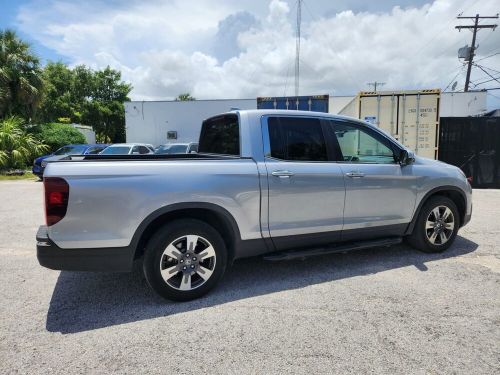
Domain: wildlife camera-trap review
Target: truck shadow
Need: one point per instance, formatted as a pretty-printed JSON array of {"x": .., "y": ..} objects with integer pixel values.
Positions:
[{"x": 85, "y": 301}]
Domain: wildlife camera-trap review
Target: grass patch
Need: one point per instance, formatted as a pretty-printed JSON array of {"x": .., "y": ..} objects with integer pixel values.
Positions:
[{"x": 27, "y": 176}]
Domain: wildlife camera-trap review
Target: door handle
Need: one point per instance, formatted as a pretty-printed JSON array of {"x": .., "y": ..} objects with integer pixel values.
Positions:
[
  {"x": 355, "y": 174},
  {"x": 282, "y": 174}
]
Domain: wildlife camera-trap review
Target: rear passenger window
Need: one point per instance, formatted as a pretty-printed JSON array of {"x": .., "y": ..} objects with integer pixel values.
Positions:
[
  {"x": 295, "y": 138},
  {"x": 220, "y": 135}
]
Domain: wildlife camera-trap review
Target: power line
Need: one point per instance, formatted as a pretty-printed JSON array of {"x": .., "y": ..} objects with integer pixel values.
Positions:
[
  {"x": 483, "y": 82},
  {"x": 425, "y": 44},
  {"x": 487, "y": 57},
  {"x": 480, "y": 67},
  {"x": 472, "y": 48},
  {"x": 485, "y": 67},
  {"x": 456, "y": 75}
]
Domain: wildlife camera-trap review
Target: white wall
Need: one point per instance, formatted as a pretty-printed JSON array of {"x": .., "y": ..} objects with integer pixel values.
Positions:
[
  {"x": 462, "y": 104},
  {"x": 149, "y": 122}
]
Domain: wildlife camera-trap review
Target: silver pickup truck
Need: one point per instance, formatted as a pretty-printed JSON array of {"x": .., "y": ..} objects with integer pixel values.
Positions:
[{"x": 281, "y": 183}]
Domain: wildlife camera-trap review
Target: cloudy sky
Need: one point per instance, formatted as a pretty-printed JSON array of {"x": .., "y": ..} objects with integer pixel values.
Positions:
[{"x": 244, "y": 49}]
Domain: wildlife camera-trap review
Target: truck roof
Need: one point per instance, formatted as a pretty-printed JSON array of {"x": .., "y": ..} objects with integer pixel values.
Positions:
[{"x": 289, "y": 112}]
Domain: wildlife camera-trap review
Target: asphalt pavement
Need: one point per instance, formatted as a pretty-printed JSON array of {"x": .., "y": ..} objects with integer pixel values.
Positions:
[{"x": 384, "y": 310}]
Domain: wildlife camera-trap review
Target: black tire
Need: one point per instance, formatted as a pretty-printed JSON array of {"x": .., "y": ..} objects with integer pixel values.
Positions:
[
  {"x": 421, "y": 238},
  {"x": 175, "y": 234}
]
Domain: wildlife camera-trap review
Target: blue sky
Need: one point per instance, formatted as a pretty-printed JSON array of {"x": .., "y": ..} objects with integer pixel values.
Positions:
[
  {"x": 8, "y": 20},
  {"x": 246, "y": 49}
]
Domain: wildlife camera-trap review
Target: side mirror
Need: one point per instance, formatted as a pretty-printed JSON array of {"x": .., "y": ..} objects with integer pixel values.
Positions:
[
  {"x": 135, "y": 153},
  {"x": 405, "y": 157}
]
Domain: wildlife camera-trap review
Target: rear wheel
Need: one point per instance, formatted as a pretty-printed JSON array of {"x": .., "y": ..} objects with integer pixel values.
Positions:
[
  {"x": 437, "y": 225},
  {"x": 185, "y": 259}
]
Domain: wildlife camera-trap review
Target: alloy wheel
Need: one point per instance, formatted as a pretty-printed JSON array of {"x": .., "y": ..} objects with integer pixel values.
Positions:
[
  {"x": 439, "y": 225},
  {"x": 187, "y": 262}
]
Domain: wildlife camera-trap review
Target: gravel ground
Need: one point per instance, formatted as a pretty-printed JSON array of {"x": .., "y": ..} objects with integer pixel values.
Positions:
[{"x": 389, "y": 310}]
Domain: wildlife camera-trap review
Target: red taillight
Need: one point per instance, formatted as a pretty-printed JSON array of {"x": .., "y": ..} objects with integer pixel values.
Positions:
[{"x": 56, "y": 199}]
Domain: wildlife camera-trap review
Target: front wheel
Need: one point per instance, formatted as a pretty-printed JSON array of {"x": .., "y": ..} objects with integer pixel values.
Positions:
[
  {"x": 436, "y": 227},
  {"x": 185, "y": 259}
]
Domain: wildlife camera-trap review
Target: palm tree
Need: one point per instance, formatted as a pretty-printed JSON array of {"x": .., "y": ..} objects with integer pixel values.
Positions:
[
  {"x": 17, "y": 148},
  {"x": 20, "y": 77}
]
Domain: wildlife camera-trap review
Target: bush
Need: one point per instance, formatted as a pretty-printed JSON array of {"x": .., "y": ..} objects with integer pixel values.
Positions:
[
  {"x": 17, "y": 148},
  {"x": 56, "y": 135}
]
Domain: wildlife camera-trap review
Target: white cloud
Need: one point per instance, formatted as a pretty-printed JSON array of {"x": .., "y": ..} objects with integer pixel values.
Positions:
[{"x": 167, "y": 47}]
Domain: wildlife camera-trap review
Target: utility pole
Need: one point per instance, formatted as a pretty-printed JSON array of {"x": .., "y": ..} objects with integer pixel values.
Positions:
[
  {"x": 472, "y": 49},
  {"x": 375, "y": 84},
  {"x": 297, "y": 47}
]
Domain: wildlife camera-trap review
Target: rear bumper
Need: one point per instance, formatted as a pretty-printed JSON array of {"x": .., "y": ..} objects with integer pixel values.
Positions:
[{"x": 111, "y": 259}]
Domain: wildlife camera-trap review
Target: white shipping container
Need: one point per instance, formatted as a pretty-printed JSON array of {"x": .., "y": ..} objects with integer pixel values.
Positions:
[{"x": 412, "y": 117}]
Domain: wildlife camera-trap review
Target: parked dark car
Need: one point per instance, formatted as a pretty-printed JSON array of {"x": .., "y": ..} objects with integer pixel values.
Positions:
[{"x": 40, "y": 162}]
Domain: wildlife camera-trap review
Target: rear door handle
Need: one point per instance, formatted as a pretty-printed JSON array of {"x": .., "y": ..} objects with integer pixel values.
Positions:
[
  {"x": 355, "y": 174},
  {"x": 282, "y": 174}
]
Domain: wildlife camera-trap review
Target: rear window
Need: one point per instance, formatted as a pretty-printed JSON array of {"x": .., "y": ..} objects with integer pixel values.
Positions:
[{"x": 220, "y": 135}]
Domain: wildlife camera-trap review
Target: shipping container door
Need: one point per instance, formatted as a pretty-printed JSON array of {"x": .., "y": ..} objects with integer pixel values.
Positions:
[
  {"x": 381, "y": 111},
  {"x": 418, "y": 123}
]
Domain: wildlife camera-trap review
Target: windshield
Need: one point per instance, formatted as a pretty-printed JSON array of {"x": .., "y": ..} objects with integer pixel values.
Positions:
[
  {"x": 71, "y": 150},
  {"x": 172, "y": 149},
  {"x": 118, "y": 150}
]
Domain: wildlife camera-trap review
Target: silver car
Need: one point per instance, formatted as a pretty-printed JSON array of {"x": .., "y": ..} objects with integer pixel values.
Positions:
[
  {"x": 128, "y": 149},
  {"x": 283, "y": 184}
]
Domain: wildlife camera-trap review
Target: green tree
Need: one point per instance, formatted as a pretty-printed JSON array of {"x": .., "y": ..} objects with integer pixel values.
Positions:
[
  {"x": 21, "y": 84},
  {"x": 105, "y": 110},
  {"x": 59, "y": 100},
  {"x": 184, "y": 97},
  {"x": 86, "y": 96},
  {"x": 57, "y": 135},
  {"x": 17, "y": 147}
]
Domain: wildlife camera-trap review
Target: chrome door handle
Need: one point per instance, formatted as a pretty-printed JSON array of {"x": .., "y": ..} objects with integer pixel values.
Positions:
[
  {"x": 282, "y": 174},
  {"x": 355, "y": 174}
]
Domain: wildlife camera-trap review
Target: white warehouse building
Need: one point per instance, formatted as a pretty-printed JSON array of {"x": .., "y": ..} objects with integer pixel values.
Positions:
[
  {"x": 160, "y": 122},
  {"x": 151, "y": 121}
]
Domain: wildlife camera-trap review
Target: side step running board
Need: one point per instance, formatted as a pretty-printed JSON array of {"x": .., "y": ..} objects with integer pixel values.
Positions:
[{"x": 341, "y": 248}]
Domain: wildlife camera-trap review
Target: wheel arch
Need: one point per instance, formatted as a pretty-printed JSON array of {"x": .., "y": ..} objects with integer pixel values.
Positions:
[
  {"x": 452, "y": 192},
  {"x": 212, "y": 214}
]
